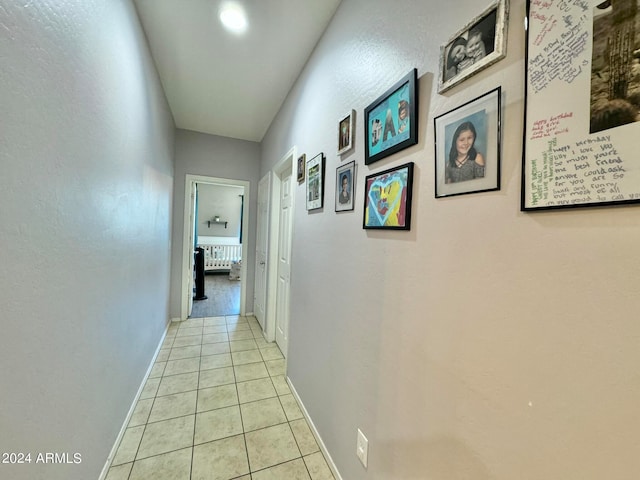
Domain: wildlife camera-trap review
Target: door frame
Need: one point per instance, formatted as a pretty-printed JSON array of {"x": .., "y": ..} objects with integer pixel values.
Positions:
[
  {"x": 266, "y": 218},
  {"x": 187, "y": 249},
  {"x": 288, "y": 161}
]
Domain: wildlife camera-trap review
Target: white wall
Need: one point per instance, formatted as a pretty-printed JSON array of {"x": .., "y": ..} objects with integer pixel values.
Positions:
[
  {"x": 85, "y": 195},
  {"x": 485, "y": 343},
  {"x": 220, "y": 157},
  {"x": 223, "y": 201}
]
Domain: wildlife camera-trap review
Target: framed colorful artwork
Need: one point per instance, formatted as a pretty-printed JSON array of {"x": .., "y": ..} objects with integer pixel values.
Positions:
[
  {"x": 391, "y": 121},
  {"x": 480, "y": 43},
  {"x": 467, "y": 142},
  {"x": 345, "y": 186},
  {"x": 387, "y": 199},
  {"x": 346, "y": 132},
  {"x": 315, "y": 182}
]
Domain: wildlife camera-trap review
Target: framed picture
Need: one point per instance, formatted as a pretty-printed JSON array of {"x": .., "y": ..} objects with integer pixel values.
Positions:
[
  {"x": 345, "y": 186},
  {"x": 301, "y": 166},
  {"x": 582, "y": 105},
  {"x": 387, "y": 199},
  {"x": 315, "y": 182},
  {"x": 346, "y": 132},
  {"x": 467, "y": 141},
  {"x": 391, "y": 122},
  {"x": 480, "y": 43}
]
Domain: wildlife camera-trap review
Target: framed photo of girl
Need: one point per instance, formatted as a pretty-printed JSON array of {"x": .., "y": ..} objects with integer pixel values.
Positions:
[
  {"x": 467, "y": 144},
  {"x": 345, "y": 186},
  {"x": 480, "y": 43}
]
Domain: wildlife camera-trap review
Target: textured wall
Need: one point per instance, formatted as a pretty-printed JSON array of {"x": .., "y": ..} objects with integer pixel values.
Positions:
[
  {"x": 85, "y": 200},
  {"x": 483, "y": 344},
  {"x": 220, "y": 157},
  {"x": 223, "y": 201}
]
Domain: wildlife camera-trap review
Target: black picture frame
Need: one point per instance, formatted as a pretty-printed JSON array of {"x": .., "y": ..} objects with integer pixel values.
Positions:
[
  {"x": 477, "y": 121},
  {"x": 391, "y": 193},
  {"x": 315, "y": 182},
  {"x": 392, "y": 114},
  {"x": 582, "y": 114},
  {"x": 302, "y": 161},
  {"x": 345, "y": 177}
]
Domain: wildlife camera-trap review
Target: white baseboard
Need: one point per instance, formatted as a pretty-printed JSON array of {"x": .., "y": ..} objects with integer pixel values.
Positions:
[
  {"x": 114, "y": 449},
  {"x": 314, "y": 430},
  {"x": 176, "y": 319}
]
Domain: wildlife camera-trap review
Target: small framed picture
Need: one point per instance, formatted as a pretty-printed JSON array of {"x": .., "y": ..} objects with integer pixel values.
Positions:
[
  {"x": 467, "y": 142},
  {"x": 480, "y": 43},
  {"x": 345, "y": 186},
  {"x": 346, "y": 132},
  {"x": 387, "y": 199},
  {"x": 391, "y": 121},
  {"x": 301, "y": 166},
  {"x": 315, "y": 182}
]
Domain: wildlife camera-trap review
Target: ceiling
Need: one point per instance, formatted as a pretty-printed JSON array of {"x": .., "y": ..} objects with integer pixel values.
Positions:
[{"x": 229, "y": 84}]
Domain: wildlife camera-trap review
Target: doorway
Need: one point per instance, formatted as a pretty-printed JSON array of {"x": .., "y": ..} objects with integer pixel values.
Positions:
[
  {"x": 278, "y": 257},
  {"x": 216, "y": 222}
]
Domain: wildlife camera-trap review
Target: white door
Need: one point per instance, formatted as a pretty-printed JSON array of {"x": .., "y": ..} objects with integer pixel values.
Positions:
[
  {"x": 284, "y": 263},
  {"x": 192, "y": 233},
  {"x": 262, "y": 245}
]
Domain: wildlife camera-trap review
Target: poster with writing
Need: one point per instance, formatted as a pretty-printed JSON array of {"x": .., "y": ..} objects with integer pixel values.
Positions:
[{"x": 582, "y": 104}]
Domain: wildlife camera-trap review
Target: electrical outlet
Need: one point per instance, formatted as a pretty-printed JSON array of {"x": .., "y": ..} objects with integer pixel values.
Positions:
[{"x": 362, "y": 448}]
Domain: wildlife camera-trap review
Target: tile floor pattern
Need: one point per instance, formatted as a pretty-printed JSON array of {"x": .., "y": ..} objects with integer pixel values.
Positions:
[{"x": 217, "y": 406}]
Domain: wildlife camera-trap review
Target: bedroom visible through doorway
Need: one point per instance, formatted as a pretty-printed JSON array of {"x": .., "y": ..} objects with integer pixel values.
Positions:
[{"x": 215, "y": 247}]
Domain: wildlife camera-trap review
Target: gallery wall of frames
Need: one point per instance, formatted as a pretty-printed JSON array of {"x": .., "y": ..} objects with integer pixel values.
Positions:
[{"x": 582, "y": 106}]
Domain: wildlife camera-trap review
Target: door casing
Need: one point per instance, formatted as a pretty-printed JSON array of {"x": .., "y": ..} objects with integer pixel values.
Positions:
[{"x": 187, "y": 250}]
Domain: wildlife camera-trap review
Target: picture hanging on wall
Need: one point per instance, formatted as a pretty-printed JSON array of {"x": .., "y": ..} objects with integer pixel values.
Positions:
[
  {"x": 301, "y": 166},
  {"x": 391, "y": 121},
  {"x": 480, "y": 43},
  {"x": 387, "y": 199},
  {"x": 315, "y": 182},
  {"x": 467, "y": 142},
  {"x": 582, "y": 104},
  {"x": 346, "y": 132},
  {"x": 345, "y": 186}
]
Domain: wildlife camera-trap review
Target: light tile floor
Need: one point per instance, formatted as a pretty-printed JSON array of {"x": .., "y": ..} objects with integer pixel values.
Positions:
[{"x": 217, "y": 406}]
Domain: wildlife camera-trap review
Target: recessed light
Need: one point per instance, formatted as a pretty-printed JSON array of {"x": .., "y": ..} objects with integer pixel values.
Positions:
[{"x": 233, "y": 17}]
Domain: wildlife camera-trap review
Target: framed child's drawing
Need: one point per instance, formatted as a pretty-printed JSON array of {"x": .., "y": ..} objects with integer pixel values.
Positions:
[{"x": 387, "y": 199}]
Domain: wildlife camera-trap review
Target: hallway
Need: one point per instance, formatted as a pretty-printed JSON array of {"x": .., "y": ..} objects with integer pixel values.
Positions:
[{"x": 217, "y": 406}]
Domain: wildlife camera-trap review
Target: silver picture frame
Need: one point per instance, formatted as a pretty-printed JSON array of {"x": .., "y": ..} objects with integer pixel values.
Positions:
[{"x": 479, "y": 44}]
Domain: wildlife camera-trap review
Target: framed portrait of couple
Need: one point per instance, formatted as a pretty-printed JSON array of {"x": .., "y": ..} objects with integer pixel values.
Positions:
[
  {"x": 467, "y": 143},
  {"x": 480, "y": 43}
]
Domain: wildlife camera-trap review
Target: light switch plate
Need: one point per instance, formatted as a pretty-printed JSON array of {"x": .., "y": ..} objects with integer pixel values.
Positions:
[{"x": 362, "y": 448}]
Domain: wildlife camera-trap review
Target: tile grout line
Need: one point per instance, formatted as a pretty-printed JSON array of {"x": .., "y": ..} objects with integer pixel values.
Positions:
[
  {"x": 271, "y": 374},
  {"x": 244, "y": 436}
]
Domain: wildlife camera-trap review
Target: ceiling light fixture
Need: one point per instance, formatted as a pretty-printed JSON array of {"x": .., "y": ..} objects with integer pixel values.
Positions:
[{"x": 233, "y": 17}]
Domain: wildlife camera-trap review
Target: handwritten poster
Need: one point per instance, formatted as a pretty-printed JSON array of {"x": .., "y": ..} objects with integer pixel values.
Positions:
[{"x": 582, "y": 126}]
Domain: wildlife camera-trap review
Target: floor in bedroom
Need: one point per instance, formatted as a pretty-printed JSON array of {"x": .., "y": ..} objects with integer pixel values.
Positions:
[
  {"x": 217, "y": 406},
  {"x": 223, "y": 297}
]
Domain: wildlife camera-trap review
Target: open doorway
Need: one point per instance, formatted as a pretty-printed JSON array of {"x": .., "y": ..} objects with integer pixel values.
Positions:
[
  {"x": 216, "y": 223},
  {"x": 219, "y": 211}
]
